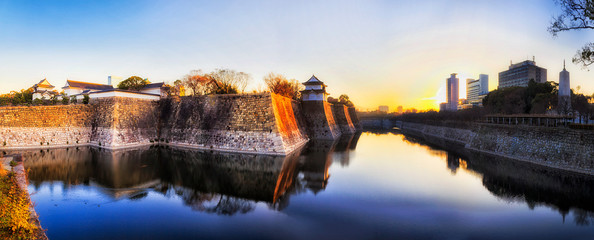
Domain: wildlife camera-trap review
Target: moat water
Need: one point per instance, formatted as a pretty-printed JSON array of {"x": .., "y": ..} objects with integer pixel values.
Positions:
[{"x": 369, "y": 186}]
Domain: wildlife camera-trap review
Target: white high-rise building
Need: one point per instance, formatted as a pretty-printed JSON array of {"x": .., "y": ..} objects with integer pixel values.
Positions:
[
  {"x": 564, "y": 106},
  {"x": 477, "y": 89},
  {"x": 453, "y": 92}
]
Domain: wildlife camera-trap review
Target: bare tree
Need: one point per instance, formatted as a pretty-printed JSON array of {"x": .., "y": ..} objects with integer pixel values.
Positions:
[
  {"x": 577, "y": 15},
  {"x": 228, "y": 81},
  {"x": 279, "y": 84},
  {"x": 196, "y": 82}
]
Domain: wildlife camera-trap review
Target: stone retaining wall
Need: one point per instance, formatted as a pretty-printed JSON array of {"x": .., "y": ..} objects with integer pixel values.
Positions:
[
  {"x": 355, "y": 118},
  {"x": 44, "y": 126},
  {"x": 257, "y": 123},
  {"x": 253, "y": 123},
  {"x": 320, "y": 123},
  {"x": 561, "y": 148},
  {"x": 120, "y": 122},
  {"x": 342, "y": 118}
]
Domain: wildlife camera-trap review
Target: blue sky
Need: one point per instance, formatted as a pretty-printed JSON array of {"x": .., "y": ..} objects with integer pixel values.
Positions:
[{"x": 378, "y": 52}]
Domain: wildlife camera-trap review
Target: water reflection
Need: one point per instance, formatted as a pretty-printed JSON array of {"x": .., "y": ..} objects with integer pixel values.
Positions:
[
  {"x": 515, "y": 181},
  {"x": 211, "y": 182}
]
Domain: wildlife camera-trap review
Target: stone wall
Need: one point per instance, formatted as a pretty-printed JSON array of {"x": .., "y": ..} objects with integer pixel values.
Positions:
[
  {"x": 44, "y": 126},
  {"x": 355, "y": 118},
  {"x": 561, "y": 148},
  {"x": 319, "y": 120},
  {"x": 107, "y": 123},
  {"x": 342, "y": 118},
  {"x": 123, "y": 122},
  {"x": 252, "y": 123},
  {"x": 256, "y": 123}
]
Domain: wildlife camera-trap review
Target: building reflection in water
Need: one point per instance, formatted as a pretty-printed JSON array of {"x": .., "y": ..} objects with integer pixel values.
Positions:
[
  {"x": 213, "y": 182},
  {"x": 516, "y": 181}
]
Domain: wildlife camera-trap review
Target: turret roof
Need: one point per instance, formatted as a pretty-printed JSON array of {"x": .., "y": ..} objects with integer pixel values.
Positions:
[{"x": 313, "y": 81}]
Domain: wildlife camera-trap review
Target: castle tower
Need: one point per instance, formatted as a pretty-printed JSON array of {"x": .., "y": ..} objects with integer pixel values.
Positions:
[
  {"x": 315, "y": 90},
  {"x": 564, "y": 106}
]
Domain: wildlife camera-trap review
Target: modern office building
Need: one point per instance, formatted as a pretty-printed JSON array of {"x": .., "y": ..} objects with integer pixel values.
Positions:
[
  {"x": 453, "y": 92},
  {"x": 383, "y": 109},
  {"x": 477, "y": 89},
  {"x": 564, "y": 106},
  {"x": 520, "y": 74}
]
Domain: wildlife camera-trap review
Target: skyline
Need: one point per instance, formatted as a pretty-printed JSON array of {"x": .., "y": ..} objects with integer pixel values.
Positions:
[{"x": 378, "y": 53}]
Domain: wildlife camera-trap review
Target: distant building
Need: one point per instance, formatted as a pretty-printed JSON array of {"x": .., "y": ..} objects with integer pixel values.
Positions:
[
  {"x": 315, "y": 90},
  {"x": 443, "y": 107},
  {"x": 152, "y": 91},
  {"x": 399, "y": 109},
  {"x": 43, "y": 90},
  {"x": 73, "y": 88},
  {"x": 383, "y": 108},
  {"x": 564, "y": 105},
  {"x": 520, "y": 74},
  {"x": 452, "y": 93},
  {"x": 477, "y": 89}
]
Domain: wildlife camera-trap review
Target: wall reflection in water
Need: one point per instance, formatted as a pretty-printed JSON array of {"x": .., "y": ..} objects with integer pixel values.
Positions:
[
  {"x": 515, "y": 181},
  {"x": 213, "y": 182}
]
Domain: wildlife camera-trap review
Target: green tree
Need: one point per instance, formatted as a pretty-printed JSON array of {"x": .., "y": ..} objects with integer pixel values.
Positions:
[
  {"x": 133, "y": 83},
  {"x": 576, "y": 15},
  {"x": 86, "y": 99},
  {"x": 65, "y": 99},
  {"x": 581, "y": 104},
  {"x": 344, "y": 99}
]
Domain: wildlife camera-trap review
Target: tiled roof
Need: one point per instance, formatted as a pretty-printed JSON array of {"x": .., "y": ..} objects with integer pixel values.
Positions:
[
  {"x": 154, "y": 85},
  {"x": 86, "y": 85},
  {"x": 40, "y": 84},
  {"x": 313, "y": 81}
]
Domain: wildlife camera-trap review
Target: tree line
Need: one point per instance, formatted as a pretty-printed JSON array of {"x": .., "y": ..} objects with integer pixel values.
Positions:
[{"x": 195, "y": 83}]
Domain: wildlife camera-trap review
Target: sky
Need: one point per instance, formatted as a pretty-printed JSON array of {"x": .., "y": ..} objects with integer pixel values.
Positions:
[{"x": 377, "y": 52}]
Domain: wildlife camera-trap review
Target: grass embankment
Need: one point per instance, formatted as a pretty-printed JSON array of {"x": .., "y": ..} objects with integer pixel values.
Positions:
[{"x": 15, "y": 221}]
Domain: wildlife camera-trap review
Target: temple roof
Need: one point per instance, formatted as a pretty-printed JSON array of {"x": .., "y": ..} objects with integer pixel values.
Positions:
[
  {"x": 43, "y": 83},
  {"x": 87, "y": 85}
]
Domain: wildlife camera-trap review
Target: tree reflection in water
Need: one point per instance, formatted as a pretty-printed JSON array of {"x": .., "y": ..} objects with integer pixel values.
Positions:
[
  {"x": 211, "y": 182},
  {"x": 516, "y": 181}
]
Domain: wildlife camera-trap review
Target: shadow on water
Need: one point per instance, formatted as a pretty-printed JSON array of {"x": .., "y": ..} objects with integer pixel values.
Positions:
[
  {"x": 212, "y": 182},
  {"x": 516, "y": 181}
]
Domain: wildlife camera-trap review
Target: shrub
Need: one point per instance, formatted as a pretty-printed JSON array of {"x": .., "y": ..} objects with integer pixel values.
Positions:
[
  {"x": 13, "y": 163},
  {"x": 73, "y": 99},
  {"x": 86, "y": 99},
  {"x": 65, "y": 100},
  {"x": 14, "y": 217}
]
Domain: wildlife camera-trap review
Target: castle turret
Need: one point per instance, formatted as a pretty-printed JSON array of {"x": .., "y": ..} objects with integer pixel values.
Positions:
[{"x": 315, "y": 90}]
